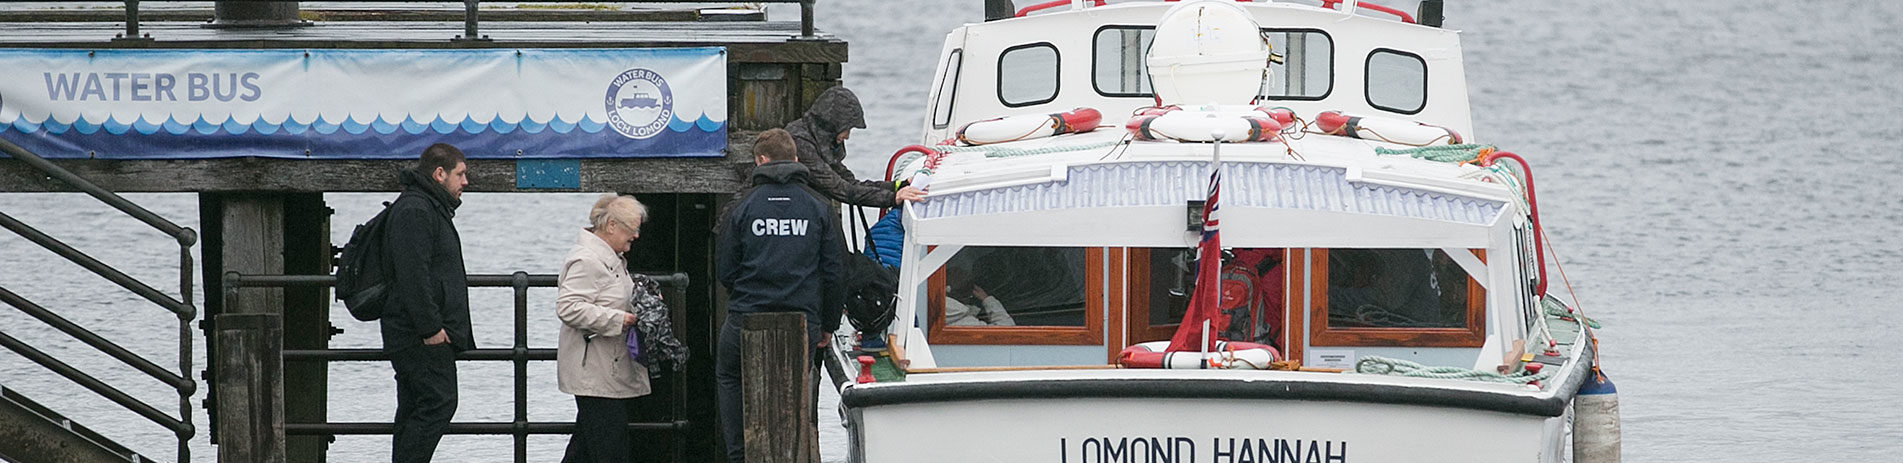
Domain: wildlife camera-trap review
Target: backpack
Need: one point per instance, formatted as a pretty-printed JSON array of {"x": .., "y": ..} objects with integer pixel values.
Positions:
[
  {"x": 363, "y": 271},
  {"x": 872, "y": 288}
]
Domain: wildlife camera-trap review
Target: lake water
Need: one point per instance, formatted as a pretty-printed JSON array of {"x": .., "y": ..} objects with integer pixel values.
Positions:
[{"x": 1713, "y": 174}]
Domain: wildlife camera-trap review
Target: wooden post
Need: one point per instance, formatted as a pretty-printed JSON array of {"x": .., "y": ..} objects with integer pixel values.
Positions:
[
  {"x": 250, "y": 388},
  {"x": 306, "y": 321},
  {"x": 773, "y": 388}
]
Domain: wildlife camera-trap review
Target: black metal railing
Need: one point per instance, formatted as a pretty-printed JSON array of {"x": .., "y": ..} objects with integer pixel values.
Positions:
[
  {"x": 471, "y": 23},
  {"x": 181, "y": 382},
  {"x": 674, "y": 291}
]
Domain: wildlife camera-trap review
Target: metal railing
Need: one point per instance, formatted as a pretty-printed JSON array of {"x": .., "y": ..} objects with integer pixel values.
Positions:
[
  {"x": 471, "y": 23},
  {"x": 673, "y": 286},
  {"x": 181, "y": 307}
]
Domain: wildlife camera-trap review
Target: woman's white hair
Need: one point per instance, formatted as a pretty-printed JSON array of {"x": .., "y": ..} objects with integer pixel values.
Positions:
[{"x": 617, "y": 208}]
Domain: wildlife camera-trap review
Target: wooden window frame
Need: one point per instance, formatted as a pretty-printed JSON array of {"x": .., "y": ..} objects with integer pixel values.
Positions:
[
  {"x": 1141, "y": 330},
  {"x": 1090, "y": 334},
  {"x": 1474, "y": 334}
]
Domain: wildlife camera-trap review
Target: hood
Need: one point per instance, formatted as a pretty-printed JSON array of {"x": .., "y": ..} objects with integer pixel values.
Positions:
[
  {"x": 430, "y": 189},
  {"x": 836, "y": 110},
  {"x": 780, "y": 172}
]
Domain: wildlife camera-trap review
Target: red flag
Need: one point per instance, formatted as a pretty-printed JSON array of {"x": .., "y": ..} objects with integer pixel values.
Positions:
[{"x": 1205, "y": 300}]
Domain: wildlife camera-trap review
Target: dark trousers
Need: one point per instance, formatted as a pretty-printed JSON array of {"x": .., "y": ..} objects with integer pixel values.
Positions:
[
  {"x": 727, "y": 378},
  {"x": 425, "y": 400},
  {"x": 601, "y": 431}
]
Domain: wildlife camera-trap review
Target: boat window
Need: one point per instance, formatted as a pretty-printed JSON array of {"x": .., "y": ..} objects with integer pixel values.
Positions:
[
  {"x": 1018, "y": 295},
  {"x": 1411, "y": 297},
  {"x": 1397, "y": 81},
  {"x": 1303, "y": 69},
  {"x": 1117, "y": 61},
  {"x": 1254, "y": 285},
  {"x": 947, "y": 90},
  {"x": 1303, "y": 65},
  {"x": 1027, "y": 75}
]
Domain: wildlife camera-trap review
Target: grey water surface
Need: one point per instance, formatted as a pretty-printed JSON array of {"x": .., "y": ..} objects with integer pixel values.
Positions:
[{"x": 1713, "y": 174}]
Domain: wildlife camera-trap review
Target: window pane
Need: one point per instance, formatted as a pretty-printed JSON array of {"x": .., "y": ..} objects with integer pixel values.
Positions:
[
  {"x": 1397, "y": 81},
  {"x": 1396, "y": 288},
  {"x": 1027, "y": 75},
  {"x": 1117, "y": 62},
  {"x": 947, "y": 90},
  {"x": 1015, "y": 286},
  {"x": 1306, "y": 67},
  {"x": 1253, "y": 285}
]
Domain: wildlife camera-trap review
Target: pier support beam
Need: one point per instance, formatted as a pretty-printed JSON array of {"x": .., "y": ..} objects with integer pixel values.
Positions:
[
  {"x": 250, "y": 388},
  {"x": 774, "y": 388}
]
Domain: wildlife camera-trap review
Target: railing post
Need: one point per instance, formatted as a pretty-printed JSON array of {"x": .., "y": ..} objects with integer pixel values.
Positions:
[
  {"x": 521, "y": 360},
  {"x": 250, "y": 387},
  {"x": 773, "y": 387},
  {"x": 469, "y": 21},
  {"x": 806, "y": 20}
]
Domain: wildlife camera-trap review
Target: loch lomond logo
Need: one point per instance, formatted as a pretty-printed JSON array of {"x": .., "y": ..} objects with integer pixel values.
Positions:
[{"x": 639, "y": 103}]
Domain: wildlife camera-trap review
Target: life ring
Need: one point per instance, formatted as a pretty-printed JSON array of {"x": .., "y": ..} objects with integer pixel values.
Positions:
[
  {"x": 1397, "y": 131},
  {"x": 1232, "y": 355},
  {"x": 1199, "y": 125},
  {"x": 1029, "y": 126}
]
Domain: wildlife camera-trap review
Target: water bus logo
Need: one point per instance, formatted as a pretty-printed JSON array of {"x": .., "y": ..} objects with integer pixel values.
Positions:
[{"x": 639, "y": 103}]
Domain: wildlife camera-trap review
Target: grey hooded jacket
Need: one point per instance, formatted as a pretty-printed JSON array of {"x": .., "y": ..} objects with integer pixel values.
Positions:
[{"x": 816, "y": 136}]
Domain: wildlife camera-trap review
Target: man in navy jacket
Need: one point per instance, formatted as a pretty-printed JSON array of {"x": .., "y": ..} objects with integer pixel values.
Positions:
[
  {"x": 778, "y": 251},
  {"x": 427, "y": 317}
]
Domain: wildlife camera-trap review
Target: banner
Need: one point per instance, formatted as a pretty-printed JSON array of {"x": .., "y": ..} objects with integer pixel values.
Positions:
[{"x": 365, "y": 104}]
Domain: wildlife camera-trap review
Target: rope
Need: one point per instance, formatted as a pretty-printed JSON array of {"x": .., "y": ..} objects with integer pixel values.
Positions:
[
  {"x": 1386, "y": 366},
  {"x": 1558, "y": 309},
  {"x": 991, "y": 151},
  {"x": 1463, "y": 153}
]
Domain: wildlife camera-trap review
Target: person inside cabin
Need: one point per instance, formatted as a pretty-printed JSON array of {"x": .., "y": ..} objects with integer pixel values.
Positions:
[
  {"x": 820, "y": 136},
  {"x": 967, "y": 304},
  {"x": 594, "y": 303},
  {"x": 778, "y": 249},
  {"x": 426, "y": 321}
]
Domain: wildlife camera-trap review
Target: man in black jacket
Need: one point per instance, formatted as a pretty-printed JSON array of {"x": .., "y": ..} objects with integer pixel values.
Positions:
[
  {"x": 821, "y": 137},
  {"x": 778, "y": 251},
  {"x": 427, "y": 319}
]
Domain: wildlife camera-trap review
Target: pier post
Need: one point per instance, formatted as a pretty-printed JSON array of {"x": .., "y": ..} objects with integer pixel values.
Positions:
[
  {"x": 774, "y": 388},
  {"x": 250, "y": 388}
]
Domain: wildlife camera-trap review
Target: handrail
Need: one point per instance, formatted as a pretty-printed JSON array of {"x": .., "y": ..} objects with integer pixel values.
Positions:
[
  {"x": 520, "y": 354},
  {"x": 97, "y": 342},
  {"x": 183, "y": 310},
  {"x": 1406, "y": 18},
  {"x": 185, "y": 236},
  {"x": 1533, "y": 210},
  {"x": 470, "y": 11},
  {"x": 1048, "y": 5},
  {"x": 180, "y": 427}
]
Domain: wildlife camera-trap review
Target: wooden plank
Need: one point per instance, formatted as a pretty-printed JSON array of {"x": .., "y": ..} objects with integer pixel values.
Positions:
[
  {"x": 253, "y": 227},
  {"x": 249, "y": 388},
  {"x": 774, "y": 386},
  {"x": 306, "y": 321},
  {"x": 646, "y": 175}
]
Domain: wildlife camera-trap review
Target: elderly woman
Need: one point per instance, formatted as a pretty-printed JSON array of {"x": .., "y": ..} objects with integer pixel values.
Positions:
[{"x": 592, "y": 358}]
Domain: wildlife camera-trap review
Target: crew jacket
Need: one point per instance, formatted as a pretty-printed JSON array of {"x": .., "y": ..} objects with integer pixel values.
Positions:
[
  {"x": 429, "y": 288},
  {"x": 591, "y": 356},
  {"x": 779, "y": 248}
]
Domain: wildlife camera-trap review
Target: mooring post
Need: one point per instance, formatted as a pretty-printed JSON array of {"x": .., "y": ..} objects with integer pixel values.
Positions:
[
  {"x": 250, "y": 387},
  {"x": 773, "y": 385}
]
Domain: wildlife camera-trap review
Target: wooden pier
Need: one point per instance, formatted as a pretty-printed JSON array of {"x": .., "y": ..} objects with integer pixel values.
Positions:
[{"x": 264, "y": 217}]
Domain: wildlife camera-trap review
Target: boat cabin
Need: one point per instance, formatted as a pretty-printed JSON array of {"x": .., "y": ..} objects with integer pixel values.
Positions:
[{"x": 1065, "y": 249}]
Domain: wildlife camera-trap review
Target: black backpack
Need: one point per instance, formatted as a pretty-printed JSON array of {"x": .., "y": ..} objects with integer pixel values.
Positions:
[
  {"x": 363, "y": 271},
  {"x": 872, "y": 288}
]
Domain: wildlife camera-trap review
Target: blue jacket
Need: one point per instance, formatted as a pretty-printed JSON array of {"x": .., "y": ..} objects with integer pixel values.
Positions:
[
  {"x": 780, "y": 248},
  {"x": 887, "y": 238}
]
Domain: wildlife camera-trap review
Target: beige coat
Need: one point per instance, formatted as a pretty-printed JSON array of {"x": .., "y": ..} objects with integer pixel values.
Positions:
[{"x": 593, "y": 300}]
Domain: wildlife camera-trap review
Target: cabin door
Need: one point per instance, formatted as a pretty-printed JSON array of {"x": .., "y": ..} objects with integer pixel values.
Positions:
[{"x": 1256, "y": 294}]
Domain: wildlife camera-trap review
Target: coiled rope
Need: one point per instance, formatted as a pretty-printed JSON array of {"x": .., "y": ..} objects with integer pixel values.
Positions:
[
  {"x": 1462, "y": 153},
  {"x": 1376, "y": 365}
]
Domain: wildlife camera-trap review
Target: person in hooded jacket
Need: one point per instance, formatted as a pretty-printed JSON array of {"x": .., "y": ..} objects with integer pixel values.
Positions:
[
  {"x": 820, "y": 136},
  {"x": 779, "y": 249},
  {"x": 427, "y": 319}
]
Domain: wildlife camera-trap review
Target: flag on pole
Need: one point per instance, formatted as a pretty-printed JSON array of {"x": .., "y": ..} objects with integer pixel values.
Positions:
[{"x": 1205, "y": 299}]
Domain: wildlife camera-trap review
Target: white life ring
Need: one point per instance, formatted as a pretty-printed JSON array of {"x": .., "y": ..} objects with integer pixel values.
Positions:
[
  {"x": 1396, "y": 131},
  {"x": 1197, "y": 124},
  {"x": 1029, "y": 126},
  {"x": 1231, "y": 355}
]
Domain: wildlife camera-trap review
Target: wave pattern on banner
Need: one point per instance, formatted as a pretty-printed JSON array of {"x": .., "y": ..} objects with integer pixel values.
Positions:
[{"x": 323, "y": 126}]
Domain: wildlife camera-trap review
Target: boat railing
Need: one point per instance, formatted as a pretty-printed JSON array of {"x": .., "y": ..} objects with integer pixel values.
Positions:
[
  {"x": 181, "y": 306},
  {"x": 471, "y": 12},
  {"x": 1430, "y": 10},
  {"x": 673, "y": 288}
]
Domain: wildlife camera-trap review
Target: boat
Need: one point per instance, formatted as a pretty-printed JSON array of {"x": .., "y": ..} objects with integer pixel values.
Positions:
[{"x": 1282, "y": 242}]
